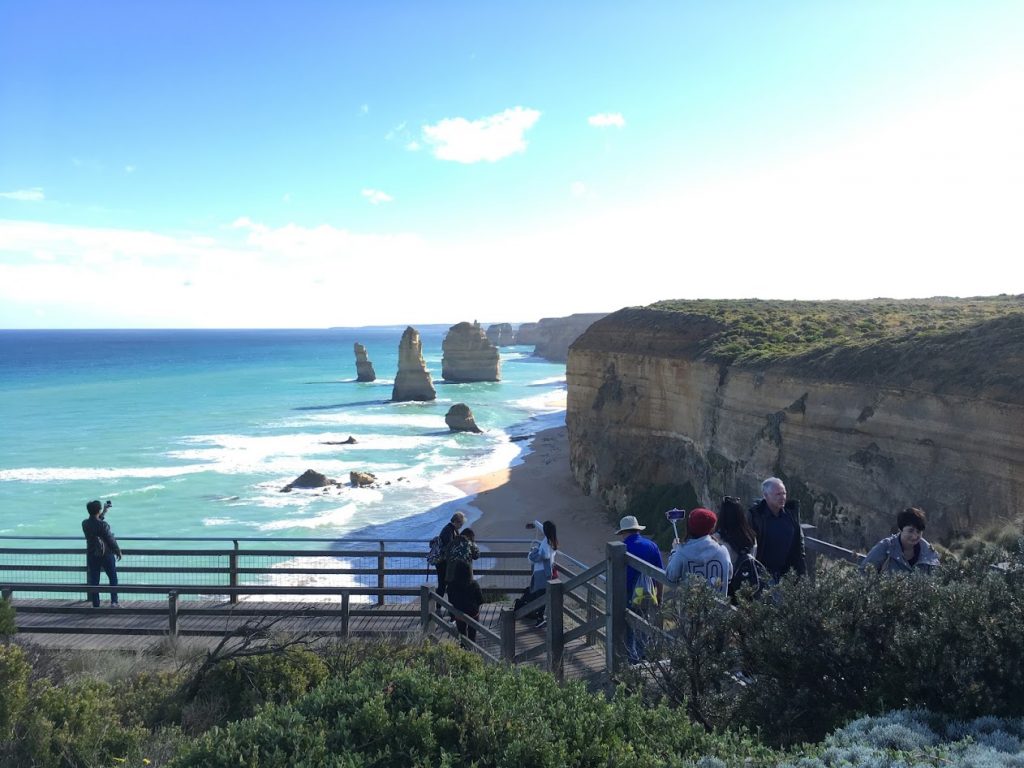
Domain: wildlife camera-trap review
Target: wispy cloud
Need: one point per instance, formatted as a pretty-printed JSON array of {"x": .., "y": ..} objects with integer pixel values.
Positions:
[
  {"x": 607, "y": 120},
  {"x": 129, "y": 169},
  {"x": 487, "y": 139},
  {"x": 364, "y": 109},
  {"x": 33, "y": 195},
  {"x": 377, "y": 197}
]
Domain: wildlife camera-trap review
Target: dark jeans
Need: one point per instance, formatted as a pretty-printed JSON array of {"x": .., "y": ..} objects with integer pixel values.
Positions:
[
  {"x": 467, "y": 630},
  {"x": 93, "y": 565},
  {"x": 442, "y": 584}
]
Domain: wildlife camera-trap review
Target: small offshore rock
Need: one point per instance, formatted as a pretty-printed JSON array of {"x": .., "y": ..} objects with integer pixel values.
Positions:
[
  {"x": 361, "y": 479},
  {"x": 309, "y": 479},
  {"x": 351, "y": 441},
  {"x": 460, "y": 419}
]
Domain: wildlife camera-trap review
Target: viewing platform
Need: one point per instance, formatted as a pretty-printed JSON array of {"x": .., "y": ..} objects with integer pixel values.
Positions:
[{"x": 201, "y": 590}]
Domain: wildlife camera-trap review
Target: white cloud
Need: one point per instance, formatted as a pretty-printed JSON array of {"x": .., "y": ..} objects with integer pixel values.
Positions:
[
  {"x": 129, "y": 169},
  {"x": 413, "y": 146},
  {"x": 377, "y": 197},
  {"x": 364, "y": 109},
  {"x": 487, "y": 139},
  {"x": 607, "y": 120},
  {"x": 33, "y": 195}
]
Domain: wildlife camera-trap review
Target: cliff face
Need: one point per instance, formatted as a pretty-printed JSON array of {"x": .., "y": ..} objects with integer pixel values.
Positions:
[
  {"x": 553, "y": 335},
  {"x": 645, "y": 410},
  {"x": 468, "y": 355}
]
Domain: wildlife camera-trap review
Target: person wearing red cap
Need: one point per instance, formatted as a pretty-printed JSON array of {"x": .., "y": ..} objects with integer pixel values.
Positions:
[{"x": 701, "y": 556}]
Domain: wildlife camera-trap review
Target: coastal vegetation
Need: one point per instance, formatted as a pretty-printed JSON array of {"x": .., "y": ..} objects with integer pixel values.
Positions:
[
  {"x": 942, "y": 344},
  {"x": 848, "y": 670}
]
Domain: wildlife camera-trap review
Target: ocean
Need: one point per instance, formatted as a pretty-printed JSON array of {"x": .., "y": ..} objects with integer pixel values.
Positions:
[{"x": 194, "y": 432}]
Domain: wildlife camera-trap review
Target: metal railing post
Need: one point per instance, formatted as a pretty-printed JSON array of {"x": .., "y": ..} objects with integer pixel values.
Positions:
[
  {"x": 555, "y": 639},
  {"x": 380, "y": 574},
  {"x": 343, "y": 629},
  {"x": 507, "y": 629},
  {"x": 615, "y": 602},
  {"x": 172, "y": 613},
  {"x": 233, "y": 572}
]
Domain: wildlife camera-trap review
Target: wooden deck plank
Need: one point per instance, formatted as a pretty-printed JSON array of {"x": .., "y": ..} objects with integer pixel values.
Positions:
[{"x": 85, "y": 628}]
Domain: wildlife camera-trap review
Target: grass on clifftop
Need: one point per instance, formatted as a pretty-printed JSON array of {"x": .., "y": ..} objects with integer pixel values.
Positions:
[
  {"x": 940, "y": 344},
  {"x": 756, "y": 330}
]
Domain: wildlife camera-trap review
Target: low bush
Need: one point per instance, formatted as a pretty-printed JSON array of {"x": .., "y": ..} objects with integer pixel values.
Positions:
[
  {"x": 440, "y": 706},
  {"x": 847, "y": 645},
  {"x": 8, "y": 621},
  {"x": 237, "y": 687},
  {"x": 14, "y": 674}
]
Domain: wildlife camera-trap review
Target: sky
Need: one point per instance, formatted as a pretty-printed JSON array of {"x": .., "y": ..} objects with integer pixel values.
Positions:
[{"x": 233, "y": 164}]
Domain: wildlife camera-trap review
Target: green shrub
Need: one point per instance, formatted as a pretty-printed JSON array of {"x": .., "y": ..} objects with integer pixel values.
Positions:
[
  {"x": 76, "y": 725},
  {"x": 8, "y": 621},
  {"x": 846, "y": 645},
  {"x": 14, "y": 674},
  {"x": 242, "y": 685},
  {"x": 443, "y": 706}
]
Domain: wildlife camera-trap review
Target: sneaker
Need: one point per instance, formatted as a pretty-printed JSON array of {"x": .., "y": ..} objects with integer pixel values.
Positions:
[
  {"x": 115, "y": 605},
  {"x": 541, "y": 623}
]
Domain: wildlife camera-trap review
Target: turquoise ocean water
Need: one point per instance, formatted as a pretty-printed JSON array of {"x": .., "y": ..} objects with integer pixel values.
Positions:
[{"x": 193, "y": 433}]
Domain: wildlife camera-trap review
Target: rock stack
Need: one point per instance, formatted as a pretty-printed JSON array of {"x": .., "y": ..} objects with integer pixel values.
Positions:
[
  {"x": 501, "y": 334},
  {"x": 468, "y": 355},
  {"x": 460, "y": 419},
  {"x": 364, "y": 368},
  {"x": 412, "y": 382}
]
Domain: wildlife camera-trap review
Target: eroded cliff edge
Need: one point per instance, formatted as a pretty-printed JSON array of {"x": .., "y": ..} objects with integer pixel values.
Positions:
[{"x": 863, "y": 408}]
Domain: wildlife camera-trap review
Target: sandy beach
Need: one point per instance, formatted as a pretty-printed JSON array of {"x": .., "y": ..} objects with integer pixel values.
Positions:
[{"x": 542, "y": 488}]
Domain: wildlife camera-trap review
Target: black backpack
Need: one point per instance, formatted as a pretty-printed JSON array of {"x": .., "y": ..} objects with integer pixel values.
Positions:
[
  {"x": 748, "y": 572},
  {"x": 434, "y": 555}
]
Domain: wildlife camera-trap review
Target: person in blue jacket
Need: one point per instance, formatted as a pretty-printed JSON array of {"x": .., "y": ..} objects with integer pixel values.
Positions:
[{"x": 646, "y": 550}]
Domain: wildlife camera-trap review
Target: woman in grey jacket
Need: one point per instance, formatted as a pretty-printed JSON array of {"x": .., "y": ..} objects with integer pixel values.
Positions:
[{"x": 904, "y": 551}]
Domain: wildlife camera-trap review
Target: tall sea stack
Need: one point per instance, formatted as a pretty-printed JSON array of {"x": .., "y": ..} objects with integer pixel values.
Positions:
[
  {"x": 468, "y": 355},
  {"x": 364, "y": 368},
  {"x": 501, "y": 334},
  {"x": 412, "y": 382}
]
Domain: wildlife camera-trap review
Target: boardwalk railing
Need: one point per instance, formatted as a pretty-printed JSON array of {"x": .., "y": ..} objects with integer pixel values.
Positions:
[{"x": 384, "y": 584}]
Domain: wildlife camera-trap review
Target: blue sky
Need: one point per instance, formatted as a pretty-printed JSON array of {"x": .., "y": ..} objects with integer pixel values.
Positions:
[{"x": 304, "y": 164}]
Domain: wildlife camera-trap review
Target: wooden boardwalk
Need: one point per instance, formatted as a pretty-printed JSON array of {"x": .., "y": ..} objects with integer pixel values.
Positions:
[{"x": 142, "y": 625}]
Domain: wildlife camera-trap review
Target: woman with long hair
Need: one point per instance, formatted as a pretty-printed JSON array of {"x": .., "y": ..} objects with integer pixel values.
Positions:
[
  {"x": 542, "y": 555},
  {"x": 734, "y": 530}
]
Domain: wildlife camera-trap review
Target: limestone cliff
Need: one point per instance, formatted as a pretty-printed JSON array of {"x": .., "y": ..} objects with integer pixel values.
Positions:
[
  {"x": 930, "y": 417},
  {"x": 468, "y": 355},
  {"x": 364, "y": 368},
  {"x": 553, "y": 335},
  {"x": 412, "y": 382},
  {"x": 526, "y": 333}
]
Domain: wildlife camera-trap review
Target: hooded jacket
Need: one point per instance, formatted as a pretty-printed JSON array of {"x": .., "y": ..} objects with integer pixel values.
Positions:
[
  {"x": 703, "y": 557},
  {"x": 887, "y": 557}
]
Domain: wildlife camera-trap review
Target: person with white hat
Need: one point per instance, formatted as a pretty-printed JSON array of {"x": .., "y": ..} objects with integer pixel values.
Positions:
[{"x": 645, "y": 549}]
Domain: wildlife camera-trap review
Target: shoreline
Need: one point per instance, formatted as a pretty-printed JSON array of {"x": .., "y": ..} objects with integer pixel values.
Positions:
[{"x": 540, "y": 487}]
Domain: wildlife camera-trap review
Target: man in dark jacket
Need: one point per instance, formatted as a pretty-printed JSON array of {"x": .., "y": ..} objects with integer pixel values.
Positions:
[
  {"x": 101, "y": 551},
  {"x": 776, "y": 523}
]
